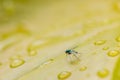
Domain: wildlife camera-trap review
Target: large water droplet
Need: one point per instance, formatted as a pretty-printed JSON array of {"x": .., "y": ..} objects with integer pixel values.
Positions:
[
  {"x": 113, "y": 53},
  {"x": 16, "y": 63},
  {"x": 103, "y": 73},
  {"x": 100, "y": 42},
  {"x": 64, "y": 75}
]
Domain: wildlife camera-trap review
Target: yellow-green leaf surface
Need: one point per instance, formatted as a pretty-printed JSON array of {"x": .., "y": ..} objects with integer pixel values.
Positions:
[{"x": 36, "y": 33}]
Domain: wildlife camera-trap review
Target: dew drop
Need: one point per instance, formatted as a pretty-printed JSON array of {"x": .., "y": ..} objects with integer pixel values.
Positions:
[
  {"x": 113, "y": 53},
  {"x": 64, "y": 75},
  {"x": 118, "y": 39},
  {"x": 105, "y": 48},
  {"x": 46, "y": 63},
  {"x": 32, "y": 53},
  {"x": 100, "y": 42},
  {"x": 83, "y": 68},
  {"x": 16, "y": 63},
  {"x": 103, "y": 73}
]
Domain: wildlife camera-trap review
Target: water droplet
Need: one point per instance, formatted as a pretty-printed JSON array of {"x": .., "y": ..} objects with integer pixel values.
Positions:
[
  {"x": 100, "y": 42},
  {"x": 47, "y": 62},
  {"x": 16, "y": 63},
  {"x": 113, "y": 53},
  {"x": 32, "y": 53},
  {"x": 103, "y": 73},
  {"x": 83, "y": 68},
  {"x": 64, "y": 75},
  {"x": 118, "y": 39},
  {"x": 105, "y": 48}
]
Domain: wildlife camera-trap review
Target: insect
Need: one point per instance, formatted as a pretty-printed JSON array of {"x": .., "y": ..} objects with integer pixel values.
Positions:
[{"x": 72, "y": 56}]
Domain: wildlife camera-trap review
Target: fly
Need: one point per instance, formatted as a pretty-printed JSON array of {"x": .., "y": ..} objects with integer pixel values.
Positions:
[{"x": 72, "y": 56}]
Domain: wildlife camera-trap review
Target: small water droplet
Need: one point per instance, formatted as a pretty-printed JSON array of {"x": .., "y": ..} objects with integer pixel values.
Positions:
[
  {"x": 83, "y": 68},
  {"x": 105, "y": 48},
  {"x": 32, "y": 53},
  {"x": 64, "y": 75},
  {"x": 113, "y": 53},
  {"x": 100, "y": 42},
  {"x": 118, "y": 39},
  {"x": 16, "y": 63},
  {"x": 46, "y": 63},
  {"x": 103, "y": 73}
]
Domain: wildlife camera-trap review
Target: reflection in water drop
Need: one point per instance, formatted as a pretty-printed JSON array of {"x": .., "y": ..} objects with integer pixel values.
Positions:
[
  {"x": 16, "y": 63},
  {"x": 103, "y": 73},
  {"x": 113, "y": 53},
  {"x": 100, "y": 42},
  {"x": 64, "y": 75}
]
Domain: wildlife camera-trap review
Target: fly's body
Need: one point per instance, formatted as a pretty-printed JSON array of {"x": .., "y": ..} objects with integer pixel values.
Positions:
[
  {"x": 70, "y": 51},
  {"x": 72, "y": 56}
]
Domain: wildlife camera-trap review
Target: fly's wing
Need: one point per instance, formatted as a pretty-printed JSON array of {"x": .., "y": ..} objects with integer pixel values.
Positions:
[
  {"x": 77, "y": 56},
  {"x": 73, "y": 58}
]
